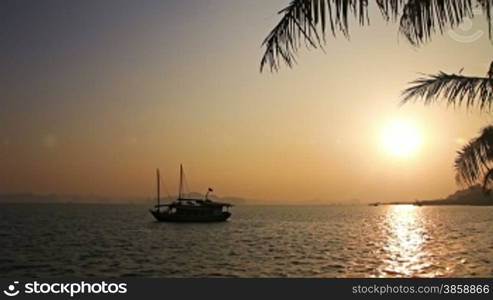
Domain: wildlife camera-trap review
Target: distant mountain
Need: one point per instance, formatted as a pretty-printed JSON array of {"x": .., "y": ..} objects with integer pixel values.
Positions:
[
  {"x": 233, "y": 200},
  {"x": 52, "y": 198},
  {"x": 55, "y": 198},
  {"x": 230, "y": 199},
  {"x": 474, "y": 195}
]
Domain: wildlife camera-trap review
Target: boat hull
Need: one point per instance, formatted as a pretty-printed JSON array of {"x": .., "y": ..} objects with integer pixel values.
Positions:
[{"x": 167, "y": 217}]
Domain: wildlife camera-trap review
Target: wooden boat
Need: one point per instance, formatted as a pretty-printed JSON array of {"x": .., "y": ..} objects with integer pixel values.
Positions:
[{"x": 189, "y": 209}]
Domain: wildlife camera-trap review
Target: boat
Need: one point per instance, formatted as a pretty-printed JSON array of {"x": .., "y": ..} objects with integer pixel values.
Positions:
[
  {"x": 374, "y": 204},
  {"x": 185, "y": 209}
]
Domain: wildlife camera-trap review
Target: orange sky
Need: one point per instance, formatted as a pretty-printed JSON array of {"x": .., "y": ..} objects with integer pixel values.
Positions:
[{"x": 95, "y": 99}]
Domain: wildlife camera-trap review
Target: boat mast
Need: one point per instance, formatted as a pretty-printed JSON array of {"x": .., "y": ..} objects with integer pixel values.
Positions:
[
  {"x": 181, "y": 182},
  {"x": 158, "y": 187}
]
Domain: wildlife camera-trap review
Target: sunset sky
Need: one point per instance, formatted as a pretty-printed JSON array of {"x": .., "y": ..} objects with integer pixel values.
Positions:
[{"x": 95, "y": 95}]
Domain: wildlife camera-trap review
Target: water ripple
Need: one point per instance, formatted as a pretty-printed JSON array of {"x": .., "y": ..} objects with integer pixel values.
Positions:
[{"x": 122, "y": 240}]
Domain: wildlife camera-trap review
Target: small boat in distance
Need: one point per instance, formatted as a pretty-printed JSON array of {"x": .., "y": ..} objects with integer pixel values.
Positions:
[
  {"x": 374, "y": 204},
  {"x": 189, "y": 209}
]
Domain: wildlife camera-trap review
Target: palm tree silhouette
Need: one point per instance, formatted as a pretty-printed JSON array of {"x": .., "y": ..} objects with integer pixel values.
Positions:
[{"x": 306, "y": 23}]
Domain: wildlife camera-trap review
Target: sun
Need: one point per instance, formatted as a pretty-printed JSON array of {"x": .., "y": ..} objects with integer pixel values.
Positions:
[{"x": 401, "y": 138}]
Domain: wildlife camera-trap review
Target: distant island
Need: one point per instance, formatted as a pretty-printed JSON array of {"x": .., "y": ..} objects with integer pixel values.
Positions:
[
  {"x": 474, "y": 195},
  {"x": 21, "y": 198},
  {"x": 27, "y": 198}
]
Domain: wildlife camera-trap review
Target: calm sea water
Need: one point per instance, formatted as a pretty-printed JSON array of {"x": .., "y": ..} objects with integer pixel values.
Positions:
[{"x": 332, "y": 241}]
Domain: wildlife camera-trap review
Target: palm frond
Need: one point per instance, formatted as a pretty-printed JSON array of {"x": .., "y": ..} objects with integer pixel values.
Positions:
[
  {"x": 422, "y": 18},
  {"x": 306, "y": 22},
  {"x": 391, "y": 9},
  {"x": 488, "y": 180},
  {"x": 455, "y": 89},
  {"x": 474, "y": 159},
  {"x": 487, "y": 8}
]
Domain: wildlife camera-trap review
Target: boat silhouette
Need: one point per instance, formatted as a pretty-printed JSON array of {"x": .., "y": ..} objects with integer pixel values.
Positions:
[{"x": 189, "y": 209}]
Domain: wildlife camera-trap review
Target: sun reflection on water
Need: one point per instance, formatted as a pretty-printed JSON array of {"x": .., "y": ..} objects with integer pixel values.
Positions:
[{"x": 403, "y": 253}]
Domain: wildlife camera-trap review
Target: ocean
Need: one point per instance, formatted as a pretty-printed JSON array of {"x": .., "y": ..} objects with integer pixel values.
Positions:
[{"x": 89, "y": 240}]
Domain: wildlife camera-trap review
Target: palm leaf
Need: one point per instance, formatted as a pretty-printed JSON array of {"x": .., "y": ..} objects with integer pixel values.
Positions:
[
  {"x": 473, "y": 160},
  {"x": 306, "y": 22},
  {"x": 421, "y": 18},
  {"x": 487, "y": 8},
  {"x": 455, "y": 89},
  {"x": 487, "y": 181}
]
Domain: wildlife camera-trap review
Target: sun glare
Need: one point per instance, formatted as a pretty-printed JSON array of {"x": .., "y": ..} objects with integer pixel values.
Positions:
[{"x": 401, "y": 138}]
